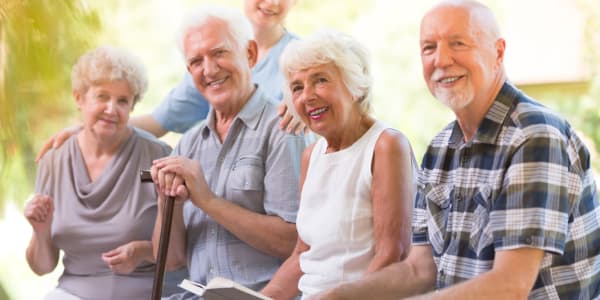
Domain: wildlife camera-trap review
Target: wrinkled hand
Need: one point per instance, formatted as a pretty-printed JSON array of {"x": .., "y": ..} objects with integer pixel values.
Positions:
[
  {"x": 39, "y": 212},
  {"x": 124, "y": 259},
  {"x": 290, "y": 123},
  {"x": 182, "y": 178},
  {"x": 57, "y": 140}
]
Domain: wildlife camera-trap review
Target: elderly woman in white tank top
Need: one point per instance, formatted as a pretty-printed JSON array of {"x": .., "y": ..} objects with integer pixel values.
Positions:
[
  {"x": 357, "y": 181},
  {"x": 89, "y": 201}
]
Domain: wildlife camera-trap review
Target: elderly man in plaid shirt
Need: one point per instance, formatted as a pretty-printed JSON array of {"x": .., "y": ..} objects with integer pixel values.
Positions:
[{"x": 507, "y": 206}]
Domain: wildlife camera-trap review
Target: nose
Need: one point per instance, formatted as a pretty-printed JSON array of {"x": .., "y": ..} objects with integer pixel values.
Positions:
[
  {"x": 443, "y": 56},
  {"x": 210, "y": 67},
  {"x": 308, "y": 93},
  {"x": 110, "y": 106}
]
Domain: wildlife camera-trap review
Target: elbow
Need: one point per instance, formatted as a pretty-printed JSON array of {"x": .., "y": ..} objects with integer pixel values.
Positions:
[
  {"x": 41, "y": 272},
  {"x": 285, "y": 247},
  {"x": 175, "y": 263}
]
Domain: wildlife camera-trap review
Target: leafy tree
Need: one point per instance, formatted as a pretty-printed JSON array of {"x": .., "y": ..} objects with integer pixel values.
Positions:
[{"x": 39, "y": 42}]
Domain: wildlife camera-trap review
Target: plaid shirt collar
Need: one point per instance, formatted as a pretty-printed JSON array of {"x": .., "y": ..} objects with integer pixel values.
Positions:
[{"x": 491, "y": 125}]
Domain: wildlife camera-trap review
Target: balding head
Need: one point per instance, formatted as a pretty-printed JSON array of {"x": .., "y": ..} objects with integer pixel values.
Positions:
[
  {"x": 481, "y": 19},
  {"x": 462, "y": 54}
]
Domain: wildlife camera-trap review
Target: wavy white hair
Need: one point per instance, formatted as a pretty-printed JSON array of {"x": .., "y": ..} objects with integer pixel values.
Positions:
[
  {"x": 239, "y": 26},
  {"x": 107, "y": 63},
  {"x": 339, "y": 49}
]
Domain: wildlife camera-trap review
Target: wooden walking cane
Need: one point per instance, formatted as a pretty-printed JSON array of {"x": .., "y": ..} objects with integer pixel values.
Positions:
[{"x": 163, "y": 243}]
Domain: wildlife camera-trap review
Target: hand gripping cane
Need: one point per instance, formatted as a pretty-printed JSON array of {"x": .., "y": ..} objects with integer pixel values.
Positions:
[{"x": 163, "y": 244}]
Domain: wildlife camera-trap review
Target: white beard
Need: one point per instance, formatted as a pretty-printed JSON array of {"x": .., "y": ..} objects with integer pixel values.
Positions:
[{"x": 455, "y": 99}]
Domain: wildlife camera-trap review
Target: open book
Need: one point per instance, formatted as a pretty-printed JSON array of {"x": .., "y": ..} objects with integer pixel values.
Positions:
[{"x": 220, "y": 288}]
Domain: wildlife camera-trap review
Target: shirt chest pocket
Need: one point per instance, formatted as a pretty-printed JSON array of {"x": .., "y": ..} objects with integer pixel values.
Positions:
[
  {"x": 480, "y": 236},
  {"x": 248, "y": 173}
]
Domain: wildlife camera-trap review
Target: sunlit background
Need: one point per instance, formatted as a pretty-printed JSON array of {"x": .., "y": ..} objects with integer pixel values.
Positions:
[{"x": 552, "y": 53}]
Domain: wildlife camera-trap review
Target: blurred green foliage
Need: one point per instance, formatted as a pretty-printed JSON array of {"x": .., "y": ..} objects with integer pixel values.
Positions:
[{"x": 39, "y": 41}]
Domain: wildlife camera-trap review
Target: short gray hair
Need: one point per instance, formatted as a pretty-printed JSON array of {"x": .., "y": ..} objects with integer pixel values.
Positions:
[
  {"x": 107, "y": 63},
  {"x": 238, "y": 25},
  {"x": 343, "y": 51}
]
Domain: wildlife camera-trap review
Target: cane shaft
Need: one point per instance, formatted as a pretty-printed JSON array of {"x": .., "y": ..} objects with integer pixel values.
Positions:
[{"x": 163, "y": 245}]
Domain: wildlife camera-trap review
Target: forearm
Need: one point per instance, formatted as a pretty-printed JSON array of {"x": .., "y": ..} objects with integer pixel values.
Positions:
[
  {"x": 144, "y": 251},
  {"x": 384, "y": 258},
  {"x": 148, "y": 123},
  {"x": 269, "y": 234},
  {"x": 176, "y": 255},
  {"x": 42, "y": 256},
  {"x": 392, "y": 282},
  {"x": 284, "y": 284},
  {"x": 489, "y": 285}
]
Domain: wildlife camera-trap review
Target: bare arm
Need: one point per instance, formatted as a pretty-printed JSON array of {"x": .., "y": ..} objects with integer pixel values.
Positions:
[
  {"x": 512, "y": 277},
  {"x": 148, "y": 123},
  {"x": 41, "y": 254},
  {"x": 125, "y": 258},
  {"x": 414, "y": 275},
  {"x": 57, "y": 140},
  {"x": 284, "y": 284},
  {"x": 392, "y": 195}
]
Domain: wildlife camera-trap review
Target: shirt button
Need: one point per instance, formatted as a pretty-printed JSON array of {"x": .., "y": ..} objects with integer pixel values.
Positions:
[
  {"x": 528, "y": 240},
  {"x": 442, "y": 273}
]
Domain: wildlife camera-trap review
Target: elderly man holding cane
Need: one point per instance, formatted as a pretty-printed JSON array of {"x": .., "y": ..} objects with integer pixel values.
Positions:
[{"x": 239, "y": 170}]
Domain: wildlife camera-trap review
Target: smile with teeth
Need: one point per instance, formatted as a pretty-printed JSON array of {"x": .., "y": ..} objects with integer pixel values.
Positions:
[
  {"x": 449, "y": 79},
  {"x": 316, "y": 113},
  {"x": 268, "y": 12},
  {"x": 216, "y": 82}
]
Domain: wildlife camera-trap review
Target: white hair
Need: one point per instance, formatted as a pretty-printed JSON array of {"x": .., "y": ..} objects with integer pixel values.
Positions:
[
  {"x": 107, "y": 63},
  {"x": 339, "y": 49},
  {"x": 238, "y": 25}
]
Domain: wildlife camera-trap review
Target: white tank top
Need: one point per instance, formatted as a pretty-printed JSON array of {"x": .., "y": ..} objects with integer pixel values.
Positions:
[{"x": 335, "y": 217}]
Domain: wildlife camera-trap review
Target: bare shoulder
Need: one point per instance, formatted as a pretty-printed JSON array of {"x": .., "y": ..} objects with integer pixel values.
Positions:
[{"x": 392, "y": 141}]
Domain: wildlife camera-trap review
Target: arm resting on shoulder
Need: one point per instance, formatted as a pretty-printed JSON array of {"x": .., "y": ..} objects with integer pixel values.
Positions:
[{"x": 148, "y": 123}]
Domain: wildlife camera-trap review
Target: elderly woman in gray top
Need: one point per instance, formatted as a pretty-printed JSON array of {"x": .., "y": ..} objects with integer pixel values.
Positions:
[{"x": 89, "y": 201}]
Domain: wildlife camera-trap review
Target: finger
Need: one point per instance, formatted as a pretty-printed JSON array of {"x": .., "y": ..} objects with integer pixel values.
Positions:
[
  {"x": 281, "y": 109},
  {"x": 177, "y": 182},
  {"x": 110, "y": 253},
  {"x": 299, "y": 129},
  {"x": 45, "y": 147},
  {"x": 154, "y": 173},
  {"x": 285, "y": 121},
  {"x": 182, "y": 193},
  {"x": 292, "y": 126}
]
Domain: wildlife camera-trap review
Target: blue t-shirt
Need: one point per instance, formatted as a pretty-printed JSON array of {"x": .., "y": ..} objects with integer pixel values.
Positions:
[{"x": 184, "y": 106}]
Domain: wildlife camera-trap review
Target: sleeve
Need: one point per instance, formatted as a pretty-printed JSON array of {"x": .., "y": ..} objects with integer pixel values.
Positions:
[
  {"x": 532, "y": 209},
  {"x": 182, "y": 108},
  {"x": 282, "y": 175},
  {"x": 419, "y": 216}
]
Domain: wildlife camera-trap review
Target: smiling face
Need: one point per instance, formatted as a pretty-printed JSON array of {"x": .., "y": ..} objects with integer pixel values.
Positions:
[
  {"x": 321, "y": 99},
  {"x": 267, "y": 13},
  {"x": 461, "y": 62},
  {"x": 105, "y": 108},
  {"x": 221, "y": 68}
]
